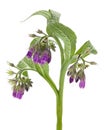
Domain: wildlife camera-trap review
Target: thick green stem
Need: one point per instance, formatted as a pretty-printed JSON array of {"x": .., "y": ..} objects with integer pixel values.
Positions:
[
  {"x": 52, "y": 84},
  {"x": 60, "y": 99},
  {"x": 59, "y": 113},
  {"x": 59, "y": 104}
]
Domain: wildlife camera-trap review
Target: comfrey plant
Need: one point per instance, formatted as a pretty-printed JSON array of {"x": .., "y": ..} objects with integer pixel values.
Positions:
[{"x": 38, "y": 58}]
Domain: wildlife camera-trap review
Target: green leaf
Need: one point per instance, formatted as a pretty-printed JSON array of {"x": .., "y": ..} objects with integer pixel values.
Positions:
[
  {"x": 66, "y": 35},
  {"x": 26, "y": 63},
  {"x": 44, "y": 13},
  {"x": 49, "y": 15},
  {"x": 52, "y": 44},
  {"x": 86, "y": 49}
]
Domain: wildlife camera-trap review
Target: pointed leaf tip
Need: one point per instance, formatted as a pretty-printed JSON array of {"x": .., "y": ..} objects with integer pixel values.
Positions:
[
  {"x": 44, "y": 13},
  {"x": 49, "y": 15}
]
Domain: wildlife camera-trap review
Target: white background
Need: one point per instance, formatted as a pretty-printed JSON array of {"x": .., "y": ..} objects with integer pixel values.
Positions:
[{"x": 83, "y": 109}]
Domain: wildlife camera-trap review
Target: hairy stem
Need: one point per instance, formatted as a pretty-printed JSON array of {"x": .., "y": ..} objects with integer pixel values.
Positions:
[
  {"x": 59, "y": 107},
  {"x": 59, "y": 100}
]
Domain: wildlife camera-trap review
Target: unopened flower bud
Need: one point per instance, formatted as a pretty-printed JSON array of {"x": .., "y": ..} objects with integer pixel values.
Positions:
[
  {"x": 11, "y": 64},
  {"x": 32, "y": 35},
  {"x": 93, "y": 63},
  {"x": 10, "y": 72},
  {"x": 30, "y": 52},
  {"x": 39, "y": 31},
  {"x": 82, "y": 83},
  {"x": 13, "y": 82},
  {"x": 71, "y": 79},
  {"x": 81, "y": 76},
  {"x": 72, "y": 70}
]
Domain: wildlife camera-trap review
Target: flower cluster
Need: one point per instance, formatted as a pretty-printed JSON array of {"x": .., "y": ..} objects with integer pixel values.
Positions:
[
  {"x": 76, "y": 72},
  {"x": 77, "y": 75},
  {"x": 19, "y": 84},
  {"x": 40, "y": 51},
  {"x": 39, "y": 56}
]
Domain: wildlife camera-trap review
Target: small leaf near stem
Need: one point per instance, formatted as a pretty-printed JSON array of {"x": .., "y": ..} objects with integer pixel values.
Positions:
[
  {"x": 25, "y": 65},
  {"x": 86, "y": 49}
]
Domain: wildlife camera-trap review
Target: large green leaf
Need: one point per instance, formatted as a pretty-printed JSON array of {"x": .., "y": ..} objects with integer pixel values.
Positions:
[
  {"x": 66, "y": 35},
  {"x": 86, "y": 49}
]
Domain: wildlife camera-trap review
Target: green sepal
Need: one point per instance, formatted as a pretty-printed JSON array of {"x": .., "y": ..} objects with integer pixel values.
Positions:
[
  {"x": 52, "y": 45},
  {"x": 25, "y": 73},
  {"x": 34, "y": 41}
]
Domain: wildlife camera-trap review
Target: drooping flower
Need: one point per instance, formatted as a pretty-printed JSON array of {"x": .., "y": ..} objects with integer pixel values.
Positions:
[
  {"x": 18, "y": 93},
  {"x": 42, "y": 57},
  {"x": 76, "y": 75},
  {"x": 82, "y": 83},
  {"x": 20, "y": 85},
  {"x": 80, "y": 76},
  {"x": 71, "y": 79},
  {"x": 71, "y": 72},
  {"x": 30, "y": 52},
  {"x": 40, "y": 51}
]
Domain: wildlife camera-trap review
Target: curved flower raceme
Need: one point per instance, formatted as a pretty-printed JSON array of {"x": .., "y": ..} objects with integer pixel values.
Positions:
[
  {"x": 77, "y": 74},
  {"x": 39, "y": 56},
  {"x": 78, "y": 77},
  {"x": 40, "y": 52},
  {"x": 19, "y": 86}
]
